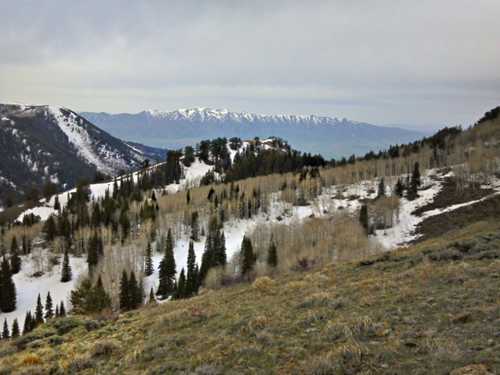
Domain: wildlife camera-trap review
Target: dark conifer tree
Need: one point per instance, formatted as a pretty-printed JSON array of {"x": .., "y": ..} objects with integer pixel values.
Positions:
[
  {"x": 363, "y": 217},
  {"x": 66, "y": 274},
  {"x": 5, "y": 331},
  {"x": 148, "y": 261},
  {"x": 272, "y": 255},
  {"x": 39, "y": 311},
  {"x": 28, "y": 323},
  {"x": 8, "y": 297},
  {"x": 125, "y": 302},
  {"x": 135, "y": 290},
  {"x": 100, "y": 300},
  {"x": 50, "y": 229},
  {"x": 62, "y": 310},
  {"x": 414, "y": 183},
  {"x": 95, "y": 250},
  {"x": 195, "y": 226},
  {"x": 167, "y": 269},
  {"x": 399, "y": 188},
  {"x": 15, "y": 260},
  {"x": 56, "y": 314},
  {"x": 381, "y": 188},
  {"x": 181, "y": 286},
  {"x": 248, "y": 257},
  {"x": 192, "y": 277},
  {"x": 49, "y": 307},
  {"x": 57, "y": 205},
  {"x": 15, "y": 329}
]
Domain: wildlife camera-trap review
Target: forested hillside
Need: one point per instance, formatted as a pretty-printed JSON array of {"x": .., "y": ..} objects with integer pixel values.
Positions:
[{"x": 244, "y": 243}]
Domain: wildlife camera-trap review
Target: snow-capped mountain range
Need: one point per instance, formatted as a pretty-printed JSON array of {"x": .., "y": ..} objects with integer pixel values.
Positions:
[
  {"x": 221, "y": 115},
  {"x": 40, "y": 144},
  {"x": 332, "y": 137}
]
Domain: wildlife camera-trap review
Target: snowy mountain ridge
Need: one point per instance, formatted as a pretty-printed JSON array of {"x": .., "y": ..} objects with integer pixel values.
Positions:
[
  {"x": 41, "y": 144},
  {"x": 328, "y": 136},
  {"x": 206, "y": 114}
]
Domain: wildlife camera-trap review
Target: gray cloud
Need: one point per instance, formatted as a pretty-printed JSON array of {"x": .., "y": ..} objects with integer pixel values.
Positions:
[{"x": 405, "y": 62}]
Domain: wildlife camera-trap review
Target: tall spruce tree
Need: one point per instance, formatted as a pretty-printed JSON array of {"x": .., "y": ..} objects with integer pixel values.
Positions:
[
  {"x": 66, "y": 274},
  {"x": 125, "y": 302},
  {"x": 95, "y": 250},
  {"x": 414, "y": 182},
  {"x": 192, "y": 277},
  {"x": 39, "y": 311},
  {"x": 15, "y": 329},
  {"x": 135, "y": 290},
  {"x": 148, "y": 261},
  {"x": 399, "y": 188},
  {"x": 363, "y": 217},
  {"x": 381, "y": 188},
  {"x": 5, "y": 331},
  {"x": 248, "y": 257},
  {"x": 27, "y": 322},
  {"x": 49, "y": 308},
  {"x": 272, "y": 255},
  {"x": 195, "y": 226},
  {"x": 167, "y": 269},
  {"x": 215, "y": 249},
  {"x": 62, "y": 310},
  {"x": 181, "y": 286},
  {"x": 8, "y": 297},
  {"x": 15, "y": 260},
  {"x": 101, "y": 299}
]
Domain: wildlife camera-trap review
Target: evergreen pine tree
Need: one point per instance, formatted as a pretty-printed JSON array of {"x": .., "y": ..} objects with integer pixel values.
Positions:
[
  {"x": 49, "y": 308},
  {"x": 57, "y": 205},
  {"x": 100, "y": 299},
  {"x": 181, "y": 286},
  {"x": 248, "y": 257},
  {"x": 66, "y": 274},
  {"x": 50, "y": 229},
  {"x": 167, "y": 269},
  {"x": 15, "y": 261},
  {"x": 62, "y": 310},
  {"x": 5, "y": 331},
  {"x": 399, "y": 188},
  {"x": 363, "y": 217},
  {"x": 381, "y": 188},
  {"x": 39, "y": 311},
  {"x": 195, "y": 226},
  {"x": 28, "y": 323},
  {"x": 15, "y": 329},
  {"x": 94, "y": 251},
  {"x": 8, "y": 297},
  {"x": 135, "y": 290},
  {"x": 272, "y": 255},
  {"x": 192, "y": 278},
  {"x": 148, "y": 266},
  {"x": 414, "y": 183},
  {"x": 125, "y": 302},
  {"x": 56, "y": 314},
  {"x": 220, "y": 257}
]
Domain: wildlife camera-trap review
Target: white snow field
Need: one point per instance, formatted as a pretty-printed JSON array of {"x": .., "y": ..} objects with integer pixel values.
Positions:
[{"x": 333, "y": 200}]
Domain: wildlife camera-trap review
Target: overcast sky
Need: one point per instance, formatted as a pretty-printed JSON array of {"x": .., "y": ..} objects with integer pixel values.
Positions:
[{"x": 415, "y": 63}]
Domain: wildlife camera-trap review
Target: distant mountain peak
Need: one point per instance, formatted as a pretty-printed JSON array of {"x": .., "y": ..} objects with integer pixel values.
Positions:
[{"x": 197, "y": 114}]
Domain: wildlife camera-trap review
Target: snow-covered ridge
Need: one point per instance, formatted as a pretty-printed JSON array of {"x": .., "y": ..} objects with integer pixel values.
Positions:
[
  {"x": 204, "y": 114},
  {"x": 106, "y": 159}
]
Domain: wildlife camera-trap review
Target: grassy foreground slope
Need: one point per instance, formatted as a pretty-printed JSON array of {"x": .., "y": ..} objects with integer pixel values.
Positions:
[{"x": 431, "y": 308}]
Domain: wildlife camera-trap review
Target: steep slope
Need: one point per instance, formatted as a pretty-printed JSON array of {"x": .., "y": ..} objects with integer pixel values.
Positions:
[
  {"x": 328, "y": 136},
  {"x": 416, "y": 310},
  {"x": 40, "y": 144}
]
